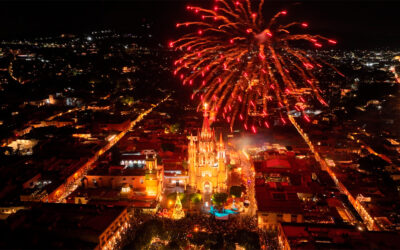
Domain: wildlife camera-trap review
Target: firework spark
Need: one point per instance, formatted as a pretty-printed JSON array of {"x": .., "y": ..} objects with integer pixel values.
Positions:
[{"x": 245, "y": 67}]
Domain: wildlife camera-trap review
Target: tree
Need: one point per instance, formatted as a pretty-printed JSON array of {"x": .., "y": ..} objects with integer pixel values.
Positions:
[
  {"x": 236, "y": 191},
  {"x": 195, "y": 198},
  {"x": 172, "y": 128},
  {"x": 178, "y": 213},
  {"x": 219, "y": 198},
  {"x": 172, "y": 196},
  {"x": 182, "y": 196},
  {"x": 127, "y": 100}
]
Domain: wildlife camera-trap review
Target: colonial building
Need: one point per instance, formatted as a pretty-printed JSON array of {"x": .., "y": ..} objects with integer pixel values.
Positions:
[
  {"x": 65, "y": 226},
  {"x": 137, "y": 175},
  {"x": 207, "y": 169}
]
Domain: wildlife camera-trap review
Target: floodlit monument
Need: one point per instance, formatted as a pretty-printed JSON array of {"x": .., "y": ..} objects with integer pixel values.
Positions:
[{"x": 207, "y": 169}]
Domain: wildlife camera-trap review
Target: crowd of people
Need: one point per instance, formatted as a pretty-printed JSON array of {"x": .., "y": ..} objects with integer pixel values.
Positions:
[
  {"x": 184, "y": 229},
  {"x": 207, "y": 223}
]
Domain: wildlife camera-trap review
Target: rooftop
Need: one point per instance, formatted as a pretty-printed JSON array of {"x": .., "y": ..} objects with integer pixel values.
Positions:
[
  {"x": 58, "y": 226},
  {"x": 333, "y": 236},
  {"x": 277, "y": 201}
]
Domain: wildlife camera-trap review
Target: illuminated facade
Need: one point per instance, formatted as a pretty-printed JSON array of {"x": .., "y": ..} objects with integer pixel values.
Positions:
[
  {"x": 207, "y": 169},
  {"x": 145, "y": 177}
]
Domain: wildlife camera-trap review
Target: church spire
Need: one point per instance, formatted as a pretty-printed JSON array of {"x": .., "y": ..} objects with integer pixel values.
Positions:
[{"x": 205, "y": 130}]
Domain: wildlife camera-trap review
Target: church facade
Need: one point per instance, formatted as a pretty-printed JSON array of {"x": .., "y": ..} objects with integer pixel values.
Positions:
[{"x": 206, "y": 159}]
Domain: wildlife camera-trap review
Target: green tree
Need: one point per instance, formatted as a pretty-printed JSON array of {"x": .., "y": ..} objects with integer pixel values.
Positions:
[
  {"x": 195, "y": 198},
  {"x": 219, "y": 199},
  {"x": 182, "y": 196},
  {"x": 127, "y": 100},
  {"x": 174, "y": 128},
  {"x": 236, "y": 191}
]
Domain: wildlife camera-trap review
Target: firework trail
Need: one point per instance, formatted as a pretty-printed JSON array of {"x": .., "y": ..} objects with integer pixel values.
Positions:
[{"x": 244, "y": 67}]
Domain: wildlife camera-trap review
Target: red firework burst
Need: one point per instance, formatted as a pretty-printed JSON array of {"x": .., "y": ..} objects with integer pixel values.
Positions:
[{"x": 242, "y": 65}]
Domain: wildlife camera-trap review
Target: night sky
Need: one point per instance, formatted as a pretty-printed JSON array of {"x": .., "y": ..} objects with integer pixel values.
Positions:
[{"x": 355, "y": 24}]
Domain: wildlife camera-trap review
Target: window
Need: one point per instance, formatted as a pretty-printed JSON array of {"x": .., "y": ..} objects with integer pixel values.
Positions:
[
  {"x": 206, "y": 173},
  {"x": 279, "y": 217}
]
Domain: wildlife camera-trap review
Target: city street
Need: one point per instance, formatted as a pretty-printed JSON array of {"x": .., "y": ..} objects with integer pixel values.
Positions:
[
  {"x": 70, "y": 187},
  {"x": 249, "y": 178},
  {"x": 367, "y": 219}
]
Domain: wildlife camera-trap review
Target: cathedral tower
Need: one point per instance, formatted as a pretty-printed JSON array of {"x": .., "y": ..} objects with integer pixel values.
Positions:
[{"x": 207, "y": 170}]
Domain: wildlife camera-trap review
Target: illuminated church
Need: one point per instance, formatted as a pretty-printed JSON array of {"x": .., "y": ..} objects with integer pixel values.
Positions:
[{"x": 207, "y": 169}]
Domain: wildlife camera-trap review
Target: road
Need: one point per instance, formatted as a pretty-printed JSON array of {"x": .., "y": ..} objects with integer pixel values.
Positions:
[
  {"x": 367, "y": 219},
  {"x": 34, "y": 124},
  {"x": 72, "y": 186},
  {"x": 249, "y": 178}
]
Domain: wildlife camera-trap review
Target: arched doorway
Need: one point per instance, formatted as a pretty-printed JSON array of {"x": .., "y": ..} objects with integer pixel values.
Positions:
[{"x": 207, "y": 187}]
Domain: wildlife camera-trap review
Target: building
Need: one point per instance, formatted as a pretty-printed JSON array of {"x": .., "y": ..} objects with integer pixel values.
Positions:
[
  {"x": 138, "y": 175},
  {"x": 333, "y": 236},
  {"x": 207, "y": 169},
  {"x": 275, "y": 207},
  {"x": 293, "y": 190},
  {"x": 175, "y": 176},
  {"x": 65, "y": 226}
]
